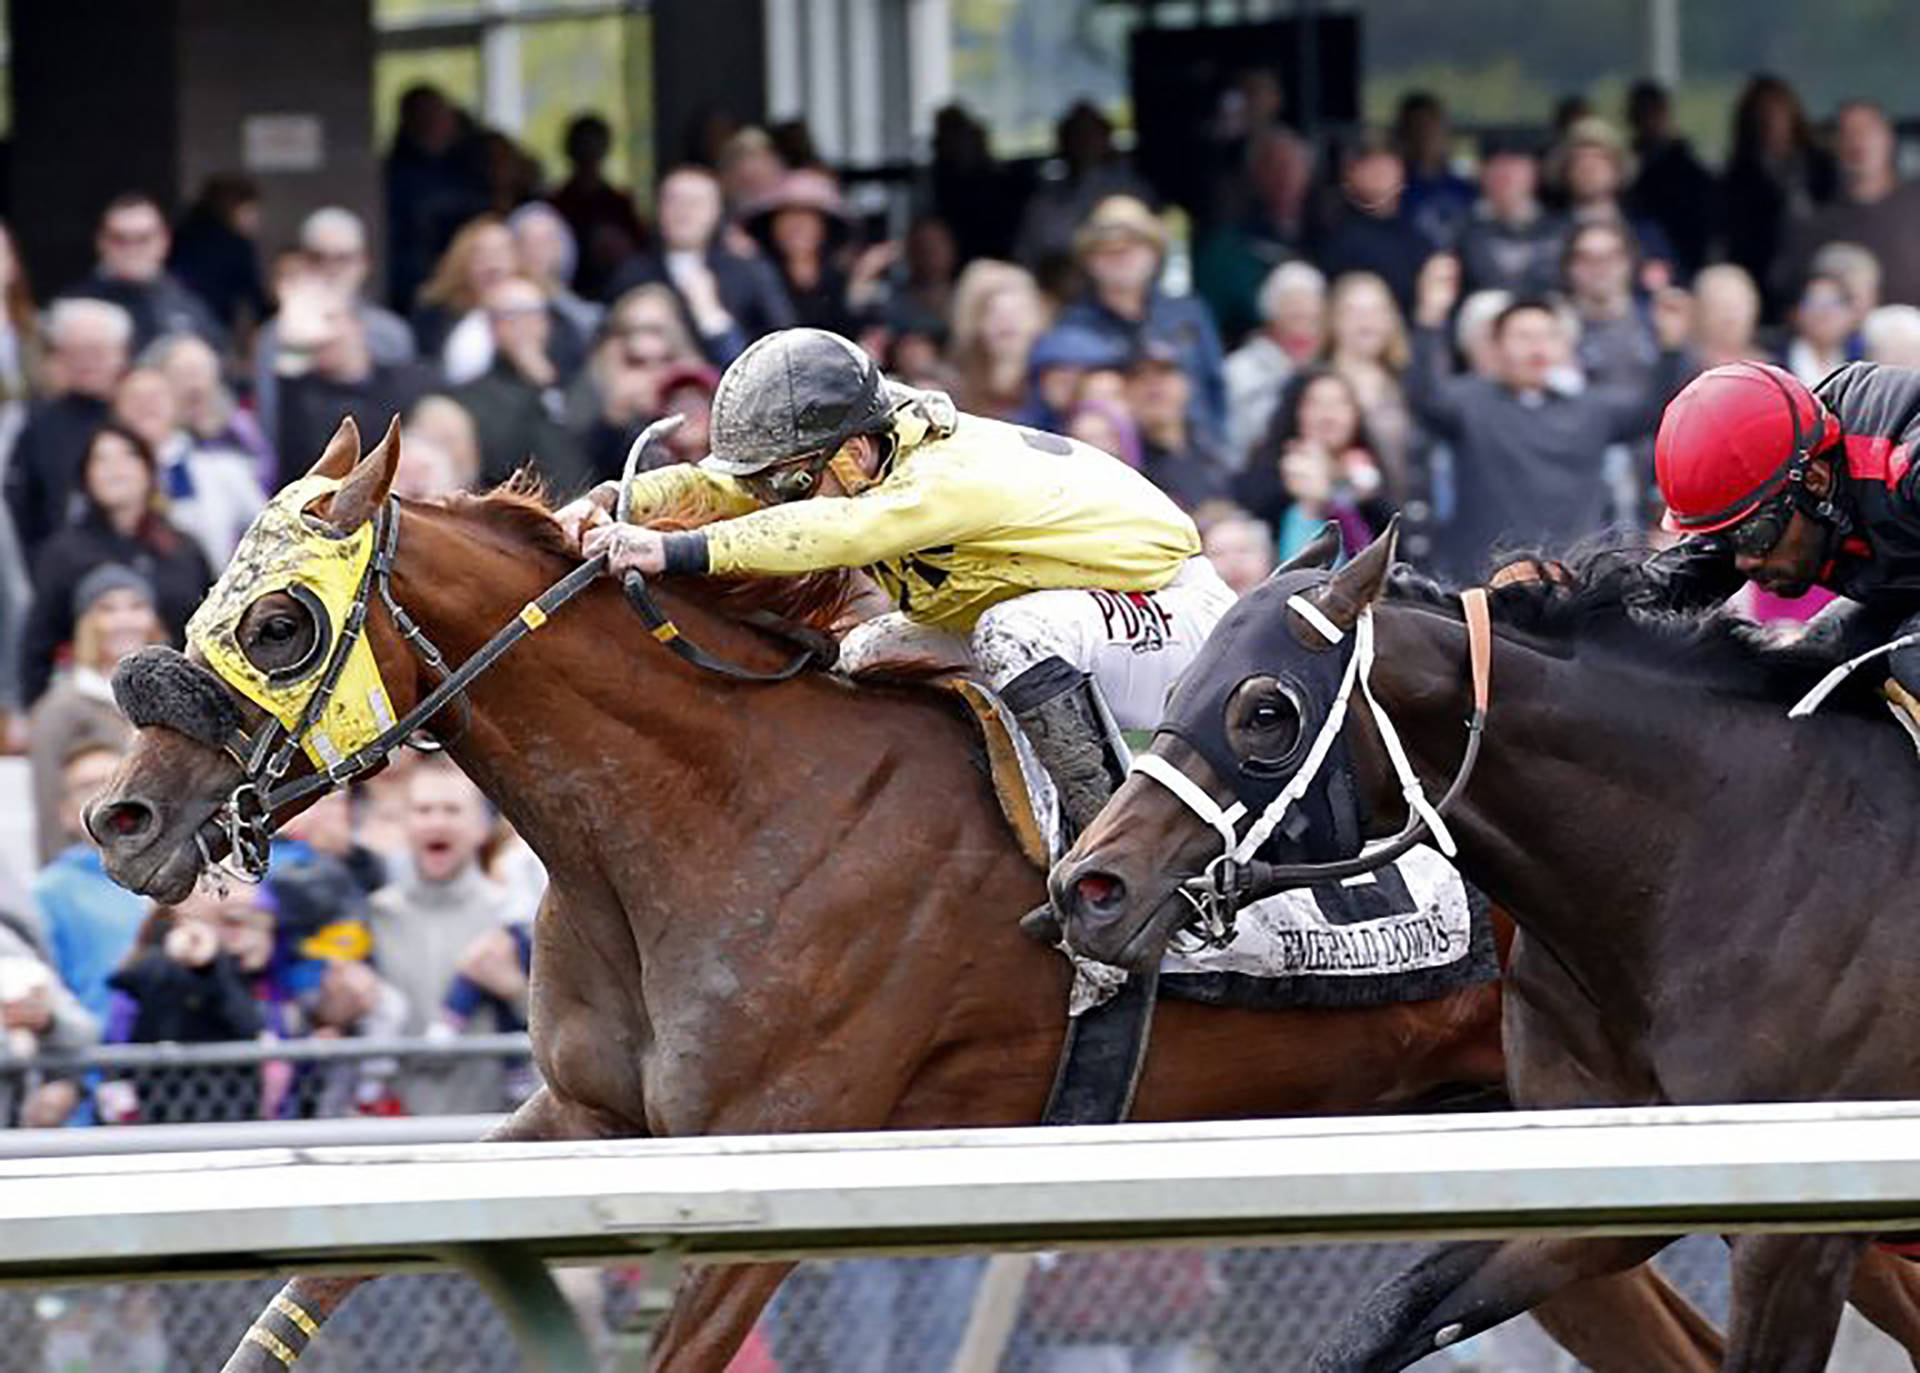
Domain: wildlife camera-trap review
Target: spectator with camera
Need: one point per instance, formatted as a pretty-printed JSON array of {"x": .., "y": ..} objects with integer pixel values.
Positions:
[{"x": 1316, "y": 464}]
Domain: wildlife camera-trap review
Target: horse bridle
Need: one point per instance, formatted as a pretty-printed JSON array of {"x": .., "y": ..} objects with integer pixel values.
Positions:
[
  {"x": 1238, "y": 877},
  {"x": 264, "y": 757}
]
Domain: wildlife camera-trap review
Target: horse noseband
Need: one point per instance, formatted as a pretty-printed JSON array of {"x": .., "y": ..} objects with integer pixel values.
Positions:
[{"x": 162, "y": 686}]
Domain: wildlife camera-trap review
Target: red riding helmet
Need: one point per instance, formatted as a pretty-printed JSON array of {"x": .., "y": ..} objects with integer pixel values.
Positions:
[{"x": 1732, "y": 440}]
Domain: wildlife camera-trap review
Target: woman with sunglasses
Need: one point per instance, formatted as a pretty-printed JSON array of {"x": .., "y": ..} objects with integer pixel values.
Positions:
[
  {"x": 1791, "y": 487},
  {"x": 1043, "y": 560}
]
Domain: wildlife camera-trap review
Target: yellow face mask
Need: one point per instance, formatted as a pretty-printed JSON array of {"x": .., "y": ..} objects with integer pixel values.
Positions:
[{"x": 288, "y": 550}]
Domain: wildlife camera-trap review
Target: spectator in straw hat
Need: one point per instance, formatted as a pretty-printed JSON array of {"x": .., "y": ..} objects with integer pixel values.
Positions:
[
  {"x": 1090, "y": 173},
  {"x": 1121, "y": 248}
]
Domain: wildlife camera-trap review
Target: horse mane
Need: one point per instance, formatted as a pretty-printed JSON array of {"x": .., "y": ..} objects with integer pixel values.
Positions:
[
  {"x": 1595, "y": 598},
  {"x": 521, "y": 508}
]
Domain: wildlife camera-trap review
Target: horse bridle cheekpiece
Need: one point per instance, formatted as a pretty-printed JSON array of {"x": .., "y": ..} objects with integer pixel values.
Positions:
[
  {"x": 333, "y": 705},
  {"x": 1309, "y": 798}
]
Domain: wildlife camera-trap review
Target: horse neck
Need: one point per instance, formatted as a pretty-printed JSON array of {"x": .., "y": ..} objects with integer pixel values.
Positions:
[
  {"x": 1587, "y": 784},
  {"x": 621, "y": 764}
]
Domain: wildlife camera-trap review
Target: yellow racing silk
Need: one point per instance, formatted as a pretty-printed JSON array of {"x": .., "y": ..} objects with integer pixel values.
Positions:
[
  {"x": 287, "y": 548},
  {"x": 969, "y": 513}
]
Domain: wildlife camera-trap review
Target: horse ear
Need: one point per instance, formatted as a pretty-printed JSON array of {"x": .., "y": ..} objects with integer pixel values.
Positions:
[
  {"x": 366, "y": 487},
  {"x": 1359, "y": 584},
  {"x": 1317, "y": 554},
  {"x": 342, "y": 452}
]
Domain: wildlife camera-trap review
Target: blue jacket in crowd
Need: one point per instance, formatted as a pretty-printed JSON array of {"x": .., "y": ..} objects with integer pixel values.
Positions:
[{"x": 90, "y": 923}]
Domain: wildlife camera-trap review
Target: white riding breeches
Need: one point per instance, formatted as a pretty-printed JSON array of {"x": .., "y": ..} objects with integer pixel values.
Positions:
[{"x": 1135, "y": 644}]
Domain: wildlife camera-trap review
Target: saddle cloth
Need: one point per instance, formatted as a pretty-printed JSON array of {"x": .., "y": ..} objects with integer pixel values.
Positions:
[{"x": 1409, "y": 932}]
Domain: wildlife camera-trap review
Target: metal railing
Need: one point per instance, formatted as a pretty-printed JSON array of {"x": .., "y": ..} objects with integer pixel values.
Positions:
[{"x": 499, "y": 1210}]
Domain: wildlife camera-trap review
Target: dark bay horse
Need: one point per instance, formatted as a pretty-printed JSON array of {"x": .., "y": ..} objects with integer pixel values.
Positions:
[
  {"x": 778, "y": 908},
  {"x": 1713, "y": 902}
]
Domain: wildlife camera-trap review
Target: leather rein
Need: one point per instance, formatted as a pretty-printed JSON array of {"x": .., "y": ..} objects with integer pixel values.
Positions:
[
  {"x": 246, "y": 817},
  {"x": 1237, "y": 878}
]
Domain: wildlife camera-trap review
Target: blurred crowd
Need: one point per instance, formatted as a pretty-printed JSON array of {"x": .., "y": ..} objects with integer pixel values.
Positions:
[{"x": 1477, "y": 334}]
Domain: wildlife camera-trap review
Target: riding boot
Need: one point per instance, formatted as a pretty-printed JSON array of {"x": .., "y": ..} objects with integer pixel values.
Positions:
[{"x": 1054, "y": 704}]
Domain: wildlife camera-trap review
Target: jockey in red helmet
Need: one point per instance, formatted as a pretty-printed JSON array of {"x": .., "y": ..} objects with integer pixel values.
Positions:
[{"x": 1792, "y": 487}]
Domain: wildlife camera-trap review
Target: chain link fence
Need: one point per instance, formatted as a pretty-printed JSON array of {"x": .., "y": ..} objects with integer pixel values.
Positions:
[
  {"x": 1110, "y": 1311},
  {"x": 297, "y": 1079},
  {"x": 1116, "y": 1311}
]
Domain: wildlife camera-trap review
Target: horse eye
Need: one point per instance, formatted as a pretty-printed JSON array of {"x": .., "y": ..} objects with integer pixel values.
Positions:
[
  {"x": 1267, "y": 715},
  {"x": 279, "y": 629},
  {"x": 1270, "y": 729}
]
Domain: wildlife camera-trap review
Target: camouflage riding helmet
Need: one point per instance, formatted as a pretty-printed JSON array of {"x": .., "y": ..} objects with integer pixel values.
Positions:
[{"x": 794, "y": 393}]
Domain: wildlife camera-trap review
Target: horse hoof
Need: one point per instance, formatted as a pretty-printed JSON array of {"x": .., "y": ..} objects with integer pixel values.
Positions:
[{"x": 1042, "y": 926}]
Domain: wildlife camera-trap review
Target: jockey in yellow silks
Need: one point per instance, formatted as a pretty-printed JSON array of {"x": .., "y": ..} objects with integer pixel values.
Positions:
[{"x": 1045, "y": 560}]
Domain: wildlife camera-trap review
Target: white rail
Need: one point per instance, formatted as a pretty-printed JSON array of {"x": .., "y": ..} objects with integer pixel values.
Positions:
[{"x": 1828, "y": 1166}]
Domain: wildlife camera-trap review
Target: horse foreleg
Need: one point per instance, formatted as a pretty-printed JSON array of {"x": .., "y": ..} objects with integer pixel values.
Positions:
[
  {"x": 714, "y": 1308},
  {"x": 282, "y": 1331},
  {"x": 1464, "y": 1289},
  {"x": 1631, "y": 1322},
  {"x": 1788, "y": 1291}
]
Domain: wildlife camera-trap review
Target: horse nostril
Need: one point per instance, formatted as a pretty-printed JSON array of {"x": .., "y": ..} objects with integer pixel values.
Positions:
[
  {"x": 1099, "y": 891},
  {"x": 121, "y": 820}
]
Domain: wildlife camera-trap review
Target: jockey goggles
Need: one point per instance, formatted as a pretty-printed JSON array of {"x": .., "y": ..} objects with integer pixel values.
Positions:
[
  {"x": 798, "y": 478},
  {"x": 1760, "y": 533},
  {"x": 917, "y": 417}
]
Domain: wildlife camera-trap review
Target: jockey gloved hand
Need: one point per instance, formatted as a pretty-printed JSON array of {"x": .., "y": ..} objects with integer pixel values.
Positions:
[{"x": 629, "y": 548}]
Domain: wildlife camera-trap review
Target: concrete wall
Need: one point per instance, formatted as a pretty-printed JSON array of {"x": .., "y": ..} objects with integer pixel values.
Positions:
[
  {"x": 154, "y": 95},
  {"x": 265, "y": 57},
  {"x": 93, "y": 113},
  {"x": 707, "y": 55}
]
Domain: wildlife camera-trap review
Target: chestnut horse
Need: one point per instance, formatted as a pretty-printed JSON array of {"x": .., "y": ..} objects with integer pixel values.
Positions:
[
  {"x": 777, "y": 907},
  {"x": 1712, "y": 901}
]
